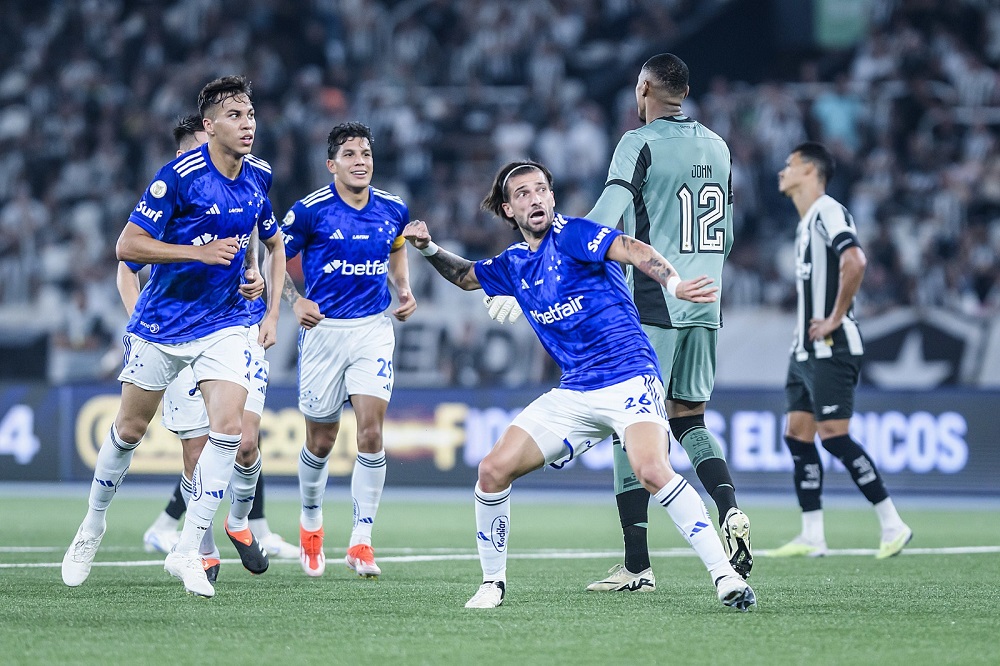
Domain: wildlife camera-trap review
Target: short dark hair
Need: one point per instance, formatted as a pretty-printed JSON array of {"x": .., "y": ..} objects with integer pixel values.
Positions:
[
  {"x": 820, "y": 155},
  {"x": 499, "y": 195},
  {"x": 344, "y": 131},
  {"x": 670, "y": 71},
  {"x": 186, "y": 128},
  {"x": 217, "y": 91}
]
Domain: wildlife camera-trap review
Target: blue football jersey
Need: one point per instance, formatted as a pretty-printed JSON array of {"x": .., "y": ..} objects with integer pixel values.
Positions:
[
  {"x": 345, "y": 251},
  {"x": 577, "y": 301},
  {"x": 190, "y": 202}
]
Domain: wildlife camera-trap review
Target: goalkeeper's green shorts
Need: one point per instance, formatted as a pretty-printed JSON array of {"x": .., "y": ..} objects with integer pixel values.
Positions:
[{"x": 687, "y": 360}]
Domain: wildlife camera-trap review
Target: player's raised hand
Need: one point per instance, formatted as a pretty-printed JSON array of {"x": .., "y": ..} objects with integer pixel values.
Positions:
[
  {"x": 253, "y": 287},
  {"x": 697, "y": 290},
  {"x": 416, "y": 232},
  {"x": 219, "y": 252},
  {"x": 307, "y": 312},
  {"x": 407, "y": 305}
]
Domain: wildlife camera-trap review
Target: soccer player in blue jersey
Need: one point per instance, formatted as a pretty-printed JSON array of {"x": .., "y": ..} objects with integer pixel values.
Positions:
[
  {"x": 193, "y": 225},
  {"x": 349, "y": 234},
  {"x": 567, "y": 280},
  {"x": 670, "y": 183},
  {"x": 184, "y": 414}
]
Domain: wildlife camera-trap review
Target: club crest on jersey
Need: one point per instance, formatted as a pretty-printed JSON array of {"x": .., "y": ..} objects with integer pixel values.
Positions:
[
  {"x": 158, "y": 189},
  {"x": 559, "y": 311}
]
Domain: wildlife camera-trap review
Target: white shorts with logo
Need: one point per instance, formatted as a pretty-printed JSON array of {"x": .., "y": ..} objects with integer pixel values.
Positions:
[
  {"x": 184, "y": 410},
  {"x": 339, "y": 358},
  {"x": 566, "y": 423}
]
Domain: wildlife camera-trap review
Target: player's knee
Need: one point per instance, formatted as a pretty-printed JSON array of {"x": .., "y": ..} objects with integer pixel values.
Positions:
[
  {"x": 370, "y": 438},
  {"x": 494, "y": 476},
  {"x": 320, "y": 437},
  {"x": 130, "y": 429},
  {"x": 652, "y": 474},
  {"x": 248, "y": 443},
  {"x": 247, "y": 457}
]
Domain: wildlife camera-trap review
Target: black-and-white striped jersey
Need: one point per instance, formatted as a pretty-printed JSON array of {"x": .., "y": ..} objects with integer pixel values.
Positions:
[{"x": 826, "y": 230}]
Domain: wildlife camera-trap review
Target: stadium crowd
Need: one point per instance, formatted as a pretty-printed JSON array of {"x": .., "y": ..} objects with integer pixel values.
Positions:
[{"x": 89, "y": 92}]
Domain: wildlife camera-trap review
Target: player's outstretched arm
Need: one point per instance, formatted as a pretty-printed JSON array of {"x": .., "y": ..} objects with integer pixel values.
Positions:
[
  {"x": 643, "y": 256},
  {"x": 136, "y": 245},
  {"x": 127, "y": 282},
  {"x": 457, "y": 270}
]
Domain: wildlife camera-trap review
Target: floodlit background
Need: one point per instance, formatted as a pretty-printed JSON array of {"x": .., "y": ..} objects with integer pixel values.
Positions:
[{"x": 905, "y": 92}]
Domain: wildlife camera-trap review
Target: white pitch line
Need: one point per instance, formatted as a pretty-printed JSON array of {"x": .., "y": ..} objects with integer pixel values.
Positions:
[{"x": 454, "y": 555}]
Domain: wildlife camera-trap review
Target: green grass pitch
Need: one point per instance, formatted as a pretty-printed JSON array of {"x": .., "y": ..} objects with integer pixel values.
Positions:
[{"x": 925, "y": 607}]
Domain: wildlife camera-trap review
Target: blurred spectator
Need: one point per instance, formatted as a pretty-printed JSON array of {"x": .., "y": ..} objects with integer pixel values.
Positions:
[{"x": 88, "y": 92}]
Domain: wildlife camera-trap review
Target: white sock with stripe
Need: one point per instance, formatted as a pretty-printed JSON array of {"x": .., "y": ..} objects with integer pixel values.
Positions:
[
  {"x": 313, "y": 474},
  {"x": 211, "y": 478},
  {"x": 367, "y": 482},
  {"x": 207, "y": 546},
  {"x": 690, "y": 515},
  {"x": 244, "y": 488},
  {"x": 113, "y": 461},
  {"x": 492, "y": 530}
]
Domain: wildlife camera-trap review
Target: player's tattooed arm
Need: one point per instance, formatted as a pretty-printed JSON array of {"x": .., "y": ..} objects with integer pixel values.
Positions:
[
  {"x": 644, "y": 257},
  {"x": 250, "y": 259},
  {"x": 457, "y": 270},
  {"x": 289, "y": 292}
]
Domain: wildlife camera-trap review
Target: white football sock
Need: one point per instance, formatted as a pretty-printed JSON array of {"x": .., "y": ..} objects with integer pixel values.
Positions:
[
  {"x": 211, "y": 478},
  {"x": 889, "y": 519},
  {"x": 313, "y": 474},
  {"x": 260, "y": 528},
  {"x": 244, "y": 487},
  {"x": 812, "y": 526},
  {"x": 165, "y": 522},
  {"x": 112, "y": 464},
  {"x": 492, "y": 531},
  {"x": 367, "y": 482},
  {"x": 690, "y": 515}
]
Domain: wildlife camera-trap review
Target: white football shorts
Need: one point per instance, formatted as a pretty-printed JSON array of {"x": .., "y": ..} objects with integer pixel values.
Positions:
[
  {"x": 184, "y": 410},
  {"x": 223, "y": 355},
  {"x": 339, "y": 358},
  {"x": 566, "y": 423}
]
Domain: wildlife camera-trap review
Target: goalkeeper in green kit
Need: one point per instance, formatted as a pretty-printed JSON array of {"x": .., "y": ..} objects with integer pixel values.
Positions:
[{"x": 670, "y": 182}]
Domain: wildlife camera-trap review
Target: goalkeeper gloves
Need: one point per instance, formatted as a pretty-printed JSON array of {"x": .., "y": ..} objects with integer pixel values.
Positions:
[{"x": 503, "y": 308}]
